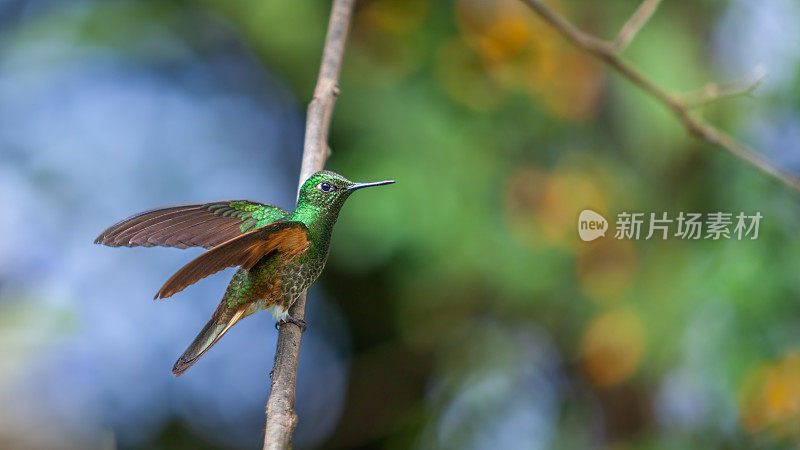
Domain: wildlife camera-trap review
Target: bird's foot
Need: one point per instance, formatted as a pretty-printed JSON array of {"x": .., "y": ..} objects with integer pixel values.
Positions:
[{"x": 289, "y": 319}]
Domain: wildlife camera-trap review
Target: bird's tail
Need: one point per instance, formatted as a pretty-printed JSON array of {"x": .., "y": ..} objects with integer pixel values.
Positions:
[{"x": 222, "y": 320}]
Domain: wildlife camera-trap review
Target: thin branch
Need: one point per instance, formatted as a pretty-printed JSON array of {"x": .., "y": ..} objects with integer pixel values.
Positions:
[
  {"x": 281, "y": 418},
  {"x": 713, "y": 92},
  {"x": 699, "y": 128},
  {"x": 634, "y": 24}
]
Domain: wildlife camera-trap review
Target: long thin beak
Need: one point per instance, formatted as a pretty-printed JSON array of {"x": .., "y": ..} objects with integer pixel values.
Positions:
[{"x": 353, "y": 187}]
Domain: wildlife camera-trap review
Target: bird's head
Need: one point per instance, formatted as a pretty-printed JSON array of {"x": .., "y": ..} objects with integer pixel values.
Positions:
[{"x": 327, "y": 190}]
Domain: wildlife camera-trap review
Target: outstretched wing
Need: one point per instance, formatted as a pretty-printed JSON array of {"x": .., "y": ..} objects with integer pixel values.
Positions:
[
  {"x": 194, "y": 225},
  {"x": 289, "y": 238}
]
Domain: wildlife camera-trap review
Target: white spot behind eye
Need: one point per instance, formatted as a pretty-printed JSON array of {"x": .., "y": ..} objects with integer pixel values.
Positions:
[{"x": 326, "y": 187}]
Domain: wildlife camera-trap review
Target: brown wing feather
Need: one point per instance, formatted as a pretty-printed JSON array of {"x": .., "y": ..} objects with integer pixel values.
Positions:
[
  {"x": 158, "y": 232},
  {"x": 182, "y": 226},
  {"x": 289, "y": 238},
  {"x": 120, "y": 234},
  {"x": 215, "y": 237}
]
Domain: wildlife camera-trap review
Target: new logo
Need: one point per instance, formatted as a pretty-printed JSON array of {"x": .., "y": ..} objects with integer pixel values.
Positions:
[{"x": 591, "y": 225}]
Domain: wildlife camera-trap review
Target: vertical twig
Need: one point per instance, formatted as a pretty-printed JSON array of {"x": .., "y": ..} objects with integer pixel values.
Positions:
[
  {"x": 634, "y": 24},
  {"x": 281, "y": 418}
]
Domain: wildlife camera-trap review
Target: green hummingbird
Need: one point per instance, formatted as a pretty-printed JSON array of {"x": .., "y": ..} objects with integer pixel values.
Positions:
[{"x": 279, "y": 253}]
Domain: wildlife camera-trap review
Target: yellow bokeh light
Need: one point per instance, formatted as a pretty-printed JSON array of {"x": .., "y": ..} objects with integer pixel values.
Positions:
[
  {"x": 521, "y": 52},
  {"x": 606, "y": 268},
  {"x": 500, "y": 30},
  {"x": 565, "y": 195},
  {"x": 463, "y": 76},
  {"x": 770, "y": 398},
  {"x": 572, "y": 89},
  {"x": 613, "y": 346},
  {"x": 542, "y": 208}
]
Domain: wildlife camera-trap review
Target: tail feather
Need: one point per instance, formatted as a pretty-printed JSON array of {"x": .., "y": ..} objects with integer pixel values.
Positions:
[{"x": 222, "y": 320}]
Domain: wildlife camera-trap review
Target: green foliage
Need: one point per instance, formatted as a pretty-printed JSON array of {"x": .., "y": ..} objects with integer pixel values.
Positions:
[{"x": 498, "y": 133}]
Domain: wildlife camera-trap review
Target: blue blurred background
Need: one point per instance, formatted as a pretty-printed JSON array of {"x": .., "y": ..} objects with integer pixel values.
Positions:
[{"x": 458, "y": 309}]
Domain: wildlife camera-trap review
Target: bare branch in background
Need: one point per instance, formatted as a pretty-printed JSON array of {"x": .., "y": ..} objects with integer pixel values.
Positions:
[
  {"x": 281, "y": 418},
  {"x": 634, "y": 24},
  {"x": 608, "y": 53},
  {"x": 713, "y": 92}
]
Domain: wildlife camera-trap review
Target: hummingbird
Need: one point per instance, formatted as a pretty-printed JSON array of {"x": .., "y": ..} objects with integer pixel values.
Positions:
[{"x": 279, "y": 253}]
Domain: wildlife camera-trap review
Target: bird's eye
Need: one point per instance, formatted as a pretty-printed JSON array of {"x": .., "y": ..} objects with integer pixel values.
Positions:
[{"x": 326, "y": 187}]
